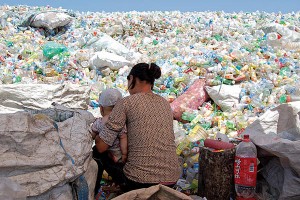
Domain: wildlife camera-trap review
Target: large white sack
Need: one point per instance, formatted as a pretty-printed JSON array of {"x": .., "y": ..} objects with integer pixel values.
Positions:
[
  {"x": 107, "y": 43},
  {"x": 41, "y": 154},
  {"x": 225, "y": 96},
  {"x": 10, "y": 190},
  {"x": 51, "y": 20},
  {"x": 105, "y": 59},
  {"x": 65, "y": 192},
  {"x": 15, "y": 97},
  {"x": 277, "y": 132}
]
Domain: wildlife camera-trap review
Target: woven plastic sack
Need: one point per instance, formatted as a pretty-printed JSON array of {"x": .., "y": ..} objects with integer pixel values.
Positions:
[
  {"x": 10, "y": 190},
  {"x": 18, "y": 97},
  {"x": 225, "y": 96},
  {"x": 50, "y": 20},
  {"x": 49, "y": 153},
  {"x": 160, "y": 192}
]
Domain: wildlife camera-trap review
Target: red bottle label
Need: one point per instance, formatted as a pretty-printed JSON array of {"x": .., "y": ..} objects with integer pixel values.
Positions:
[{"x": 245, "y": 170}]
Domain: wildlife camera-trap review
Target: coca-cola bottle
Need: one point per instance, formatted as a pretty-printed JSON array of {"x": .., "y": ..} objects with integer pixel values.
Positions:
[{"x": 245, "y": 170}]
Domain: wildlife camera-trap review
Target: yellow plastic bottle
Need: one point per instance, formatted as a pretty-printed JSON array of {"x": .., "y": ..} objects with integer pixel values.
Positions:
[{"x": 182, "y": 145}]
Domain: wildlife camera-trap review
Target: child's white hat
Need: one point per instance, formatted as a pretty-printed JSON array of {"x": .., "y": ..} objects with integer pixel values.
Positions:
[{"x": 109, "y": 97}]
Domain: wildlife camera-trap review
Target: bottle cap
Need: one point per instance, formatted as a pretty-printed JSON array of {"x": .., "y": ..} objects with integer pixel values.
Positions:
[
  {"x": 288, "y": 98},
  {"x": 246, "y": 138}
]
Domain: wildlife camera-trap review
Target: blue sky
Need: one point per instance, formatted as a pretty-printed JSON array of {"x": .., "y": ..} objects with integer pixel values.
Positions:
[{"x": 166, "y": 5}]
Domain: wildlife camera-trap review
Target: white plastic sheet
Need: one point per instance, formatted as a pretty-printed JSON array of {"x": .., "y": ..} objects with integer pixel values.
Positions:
[{"x": 278, "y": 133}]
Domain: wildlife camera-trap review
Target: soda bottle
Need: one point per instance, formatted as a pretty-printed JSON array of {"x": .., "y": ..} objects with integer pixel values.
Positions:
[{"x": 245, "y": 169}]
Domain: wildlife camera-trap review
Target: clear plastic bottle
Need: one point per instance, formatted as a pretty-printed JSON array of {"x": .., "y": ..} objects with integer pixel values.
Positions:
[
  {"x": 190, "y": 174},
  {"x": 245, "y": 169}
]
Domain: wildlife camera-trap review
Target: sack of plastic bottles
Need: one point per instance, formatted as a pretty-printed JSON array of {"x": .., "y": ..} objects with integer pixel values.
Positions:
[
  {"x": 194, "y": 97},
  {"x": 225, "y": 96},
  {"x": 50, "y": 20}
]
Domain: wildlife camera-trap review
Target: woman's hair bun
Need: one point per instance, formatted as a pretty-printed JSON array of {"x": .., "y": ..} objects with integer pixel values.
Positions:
[{"x": 154, "y": 70}]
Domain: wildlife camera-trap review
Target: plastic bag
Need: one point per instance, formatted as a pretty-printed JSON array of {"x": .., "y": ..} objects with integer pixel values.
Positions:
[{"x": 51, "y": 49}]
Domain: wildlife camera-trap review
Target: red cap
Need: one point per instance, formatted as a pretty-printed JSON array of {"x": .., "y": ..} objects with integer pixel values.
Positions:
[
  {"x": 288, "y": 98},
  {"x": 246, "y": 138}
]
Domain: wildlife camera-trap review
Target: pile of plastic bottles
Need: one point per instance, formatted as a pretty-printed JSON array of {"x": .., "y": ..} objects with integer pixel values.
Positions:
[{"x": 257, "y": 51}]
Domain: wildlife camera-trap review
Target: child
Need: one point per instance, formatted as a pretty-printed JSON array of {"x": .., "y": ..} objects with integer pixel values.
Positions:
[{"x": 118, "y": 151}]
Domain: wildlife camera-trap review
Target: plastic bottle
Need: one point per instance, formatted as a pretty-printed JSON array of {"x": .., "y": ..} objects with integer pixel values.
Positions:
[
  {"x": 192, "y": 159},
  {"x": 194, "y": 183},
  {"x": 245, "y": 169},
  {"x": 196, "y": 120},
  {"x": 190, "y": 174},
  {"x": 292, "y": 98},
  {"x": 184, "y": 170},
  {"x": 188, "y": 116},
  {"x": 182, "y": 145}
]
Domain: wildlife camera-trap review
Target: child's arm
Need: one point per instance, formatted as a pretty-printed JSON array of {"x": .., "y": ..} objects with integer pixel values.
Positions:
[
  {"x": 100, "y": 145},
  {"x": 123, "y": 146},
  {"x": 94, "y": 128},
  {"x": 93, "y": 134}
]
